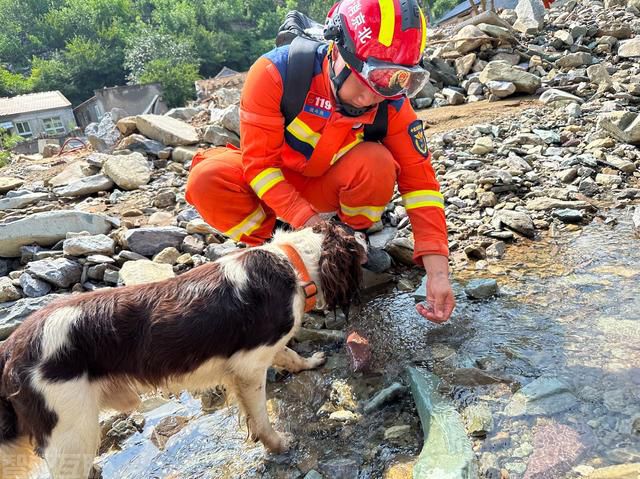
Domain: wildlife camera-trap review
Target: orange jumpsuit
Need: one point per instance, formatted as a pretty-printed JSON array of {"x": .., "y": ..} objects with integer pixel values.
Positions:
[{"x": 318, "y": 163}]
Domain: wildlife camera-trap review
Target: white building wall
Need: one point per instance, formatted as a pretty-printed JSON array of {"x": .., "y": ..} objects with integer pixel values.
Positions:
[{"x": 35, "y": 119}]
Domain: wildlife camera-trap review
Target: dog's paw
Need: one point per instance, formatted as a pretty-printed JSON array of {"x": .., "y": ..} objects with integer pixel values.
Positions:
[
  {"x": 317, "y": 360},
  {"x": 285, "y": 443}
]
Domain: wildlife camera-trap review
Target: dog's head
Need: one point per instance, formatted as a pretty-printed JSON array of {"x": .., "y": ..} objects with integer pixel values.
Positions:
[{"x": 343, "y": 253}]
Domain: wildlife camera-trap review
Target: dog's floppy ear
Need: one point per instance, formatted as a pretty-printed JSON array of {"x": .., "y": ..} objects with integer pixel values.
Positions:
[{"x": 340, "y": 265}]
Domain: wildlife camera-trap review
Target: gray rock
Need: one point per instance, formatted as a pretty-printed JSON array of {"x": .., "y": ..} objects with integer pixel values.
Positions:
[
  {"x": 313, "y": 474},
  {"x": 464, "y": 64},
  {"x": 144, "y": 271},
  {"x": 183, "y": 154},
  {"x": 339, "y": 468},
  {"x": 383, "y": 397},
  {"x": 48, "y": 228},
  {"x": 622, "y": 125},
  {"x": 219, "y": 136},
  {"x": 548, "y": 136},
  {"x": 629, "y": 48},
  {"x": 530, "y": 16},
  {"x": 518, "y": 221},
  {"x": 151, "y": 240},
  {"x": 8, "y": 183},
  {"x": 564, "y": 36},
  {"x": 104, "y": 135},
  {"x": 469, "y": 38},
  {"x": 60, "y": 272},
  {"x": 228, "y": 118},
  {"x": 501, "y": 89},
  {"x": 129, "y": 172},
  {"x": 447, "y": 451},
  {"x": 478, "y": 420},
  {"x": 501, "y": 71},
  {"x": 567, "y": 215},
  {"x": 14, "y": 313},
  {"x": 543, "y": 396},
  {"x": 216, "y": 251},
  {"x": 17, "y": 202},
  {"x": 481, "y": 288},
  {"x": 87, "y": 245},
  {"x": 546, "y": 203},
  {"x": 573, "y": 110},
  {"x": 574, "y": 60},
  {"x": 558, "y": 98},
  {"x": 34, "y": 287},
  {"x": 453, "y": 97},
  {"x": 165, "y": 199},
  {"x": 8, "y": 291},
  {"x": 86, "y": 186},
  {"x": 184, "y": 114},
  {"x": 598, "y": 74},
  {"x": 141, "y": 144},
  {"x": 166, "y": 130}
]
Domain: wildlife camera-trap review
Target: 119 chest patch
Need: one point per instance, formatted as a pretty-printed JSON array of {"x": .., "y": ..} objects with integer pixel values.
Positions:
[
  {"x": 318, "y": 105},
  {"x": 418, "y": 138}
]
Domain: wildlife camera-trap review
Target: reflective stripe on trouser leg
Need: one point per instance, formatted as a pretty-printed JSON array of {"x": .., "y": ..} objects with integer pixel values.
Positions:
[
  {"x": 373, "y": 213},
  {"x": 248, "y": 225}
]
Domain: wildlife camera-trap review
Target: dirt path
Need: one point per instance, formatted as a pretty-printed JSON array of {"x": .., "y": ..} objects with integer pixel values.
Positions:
[{"x": 448, "y": 118}]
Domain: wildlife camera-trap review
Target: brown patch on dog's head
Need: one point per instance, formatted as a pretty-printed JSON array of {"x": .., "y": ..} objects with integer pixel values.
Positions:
[{"x": 340, "y": 265}]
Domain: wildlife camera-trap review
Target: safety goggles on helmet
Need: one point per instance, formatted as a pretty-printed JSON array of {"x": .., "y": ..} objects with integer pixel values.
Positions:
[{"x": 392, "y": 81}]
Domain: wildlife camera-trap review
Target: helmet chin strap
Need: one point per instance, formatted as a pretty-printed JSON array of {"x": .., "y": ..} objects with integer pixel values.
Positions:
[{"x": 338, "y": 81}]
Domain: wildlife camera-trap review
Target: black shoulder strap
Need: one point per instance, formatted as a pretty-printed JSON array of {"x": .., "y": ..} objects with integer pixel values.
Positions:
[
  {"x": 302, "y": 56},
  {"x": 377, "y": 130}
]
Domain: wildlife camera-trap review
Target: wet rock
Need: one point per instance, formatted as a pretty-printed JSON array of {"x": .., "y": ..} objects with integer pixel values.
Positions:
[
  {"x": 359, "y": 351},
  {"x": 518, "y": 221},
  {"x": 447, "y": 451},
  {"x": 474, "y": 377},
  {"x": 396, "y": 433},
  {"x": 313, "y": 474},
  {"x": 144, "y": 271},
  {"x": 12, "y": 314},
  {"x": 501, "y": 71},
  {"x": 543, "y": 396},
  {"x": 383, "y": 397},
  {"x": 166, "y": 428},
  {"x": 148, "y": 241},
  {"x": 87, "y": 245},
  {"x": 567, "y": 215},
  {"x": 345, "y": 416},
  {"x": 168, "y": 131},
  {"x": 129, "y": 172},
  {"x": 60, "y": 272},
  {"x": 340, "y": 468},
  {"x": 8, "y": 183},
  {"x": 86, "y": 186},
  {"x": 481, "y": 288},
  {"x": 629, "y": 48},
  {"x": 320, "y": 335},
  {"x": 8, "y": 291},
  {"x": 17, "y": 202},
  {"x": 478, "y": 420},
  {"x": 33, "y": 287},
  {"x": 622, "y": 471}
]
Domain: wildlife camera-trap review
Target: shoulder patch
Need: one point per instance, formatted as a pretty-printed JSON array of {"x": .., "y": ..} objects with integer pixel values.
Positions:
[{"x": 418, "y": 138}]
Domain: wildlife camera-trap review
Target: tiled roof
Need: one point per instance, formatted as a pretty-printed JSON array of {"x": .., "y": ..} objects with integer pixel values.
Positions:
[{"x": 32, "y": 102}]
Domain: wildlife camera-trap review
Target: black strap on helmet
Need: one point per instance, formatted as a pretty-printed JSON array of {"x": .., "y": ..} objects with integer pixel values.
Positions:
[{"x": 300, "y": 63}]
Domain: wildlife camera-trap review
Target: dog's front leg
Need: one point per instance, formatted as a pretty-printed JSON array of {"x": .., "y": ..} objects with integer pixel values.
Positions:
[
  {"x": 250, "y": 388},
  {"x": 291, "y": 361}
]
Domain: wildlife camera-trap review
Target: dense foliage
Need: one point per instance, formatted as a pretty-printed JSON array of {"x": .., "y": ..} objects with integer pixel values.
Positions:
[{"x": 77, "y": 46}]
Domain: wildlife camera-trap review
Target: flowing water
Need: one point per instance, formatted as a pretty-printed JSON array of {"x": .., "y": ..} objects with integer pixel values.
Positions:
[{"x": 568, "y": 308}]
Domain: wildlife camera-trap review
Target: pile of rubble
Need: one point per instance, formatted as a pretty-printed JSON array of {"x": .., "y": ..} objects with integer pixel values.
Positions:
[{"x": 581, "y": 47}]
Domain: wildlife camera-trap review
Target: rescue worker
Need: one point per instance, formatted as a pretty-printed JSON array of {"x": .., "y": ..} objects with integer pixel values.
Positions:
[{"x": 320, "y": 163}]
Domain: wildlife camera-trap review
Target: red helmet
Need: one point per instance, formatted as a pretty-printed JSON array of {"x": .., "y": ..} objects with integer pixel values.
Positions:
[
  {"x": 382, "y": 42},
  {"x": 392, "y": 31}
]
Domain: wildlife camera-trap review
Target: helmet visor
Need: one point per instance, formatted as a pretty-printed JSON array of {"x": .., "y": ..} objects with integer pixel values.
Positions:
[{"x": 393, "y": 81}]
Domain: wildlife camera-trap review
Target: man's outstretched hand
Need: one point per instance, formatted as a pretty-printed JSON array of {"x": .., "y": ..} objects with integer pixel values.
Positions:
[{"x": 440, "y": 300}]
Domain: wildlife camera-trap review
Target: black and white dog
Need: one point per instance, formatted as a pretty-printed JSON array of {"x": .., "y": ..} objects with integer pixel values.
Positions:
[{"x": 221, "y": 323}]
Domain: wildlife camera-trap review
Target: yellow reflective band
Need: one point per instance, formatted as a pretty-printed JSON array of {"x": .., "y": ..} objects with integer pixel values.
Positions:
[
  {"x": 266, "y": 180},
  {"x": 303, "y": 132},
  {"x": 423, "y": 43},
  {"x": 345, "y": 149},
  {"x": 374, "y": 213},
  {"x": 387, "y": 22},
  {"x": 420, "y": 198},
  {"x": 248, "y": 225}
]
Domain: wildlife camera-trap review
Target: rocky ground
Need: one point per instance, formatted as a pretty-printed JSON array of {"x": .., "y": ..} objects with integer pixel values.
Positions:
[{"x": 511, "y": 171}]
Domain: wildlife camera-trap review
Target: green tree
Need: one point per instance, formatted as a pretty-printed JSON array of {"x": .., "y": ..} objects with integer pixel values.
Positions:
[
  {"x": 177, "y": 80},
  {"x": 7, "y": 141}
]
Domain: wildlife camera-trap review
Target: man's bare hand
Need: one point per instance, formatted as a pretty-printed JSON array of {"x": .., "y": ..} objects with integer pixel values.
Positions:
[{"x": 440, "y": 300}]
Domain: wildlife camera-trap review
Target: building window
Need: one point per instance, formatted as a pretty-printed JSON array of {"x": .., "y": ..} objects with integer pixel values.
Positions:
[
  {"x": 23, "y": 128},
  {"x": 53, "y": 126}
]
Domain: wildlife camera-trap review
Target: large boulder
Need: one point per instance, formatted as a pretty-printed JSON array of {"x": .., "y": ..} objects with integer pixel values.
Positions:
[
  {"x": 104, "y": 135},
  {"x": 60, "y": 272},
  {"x": 166, "y": 130},
  {"x": 501, "y": 71},
  {"x": 12, "y": 314},
  {"x": 129, "y": 172},
  {"x": 470, "y": 38},
  {"x": 228, "y": 118},
  {"x": 219, "y": 136},
  {"x": 141, "y": 144},
  {"x": 47, "y": 229}
]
